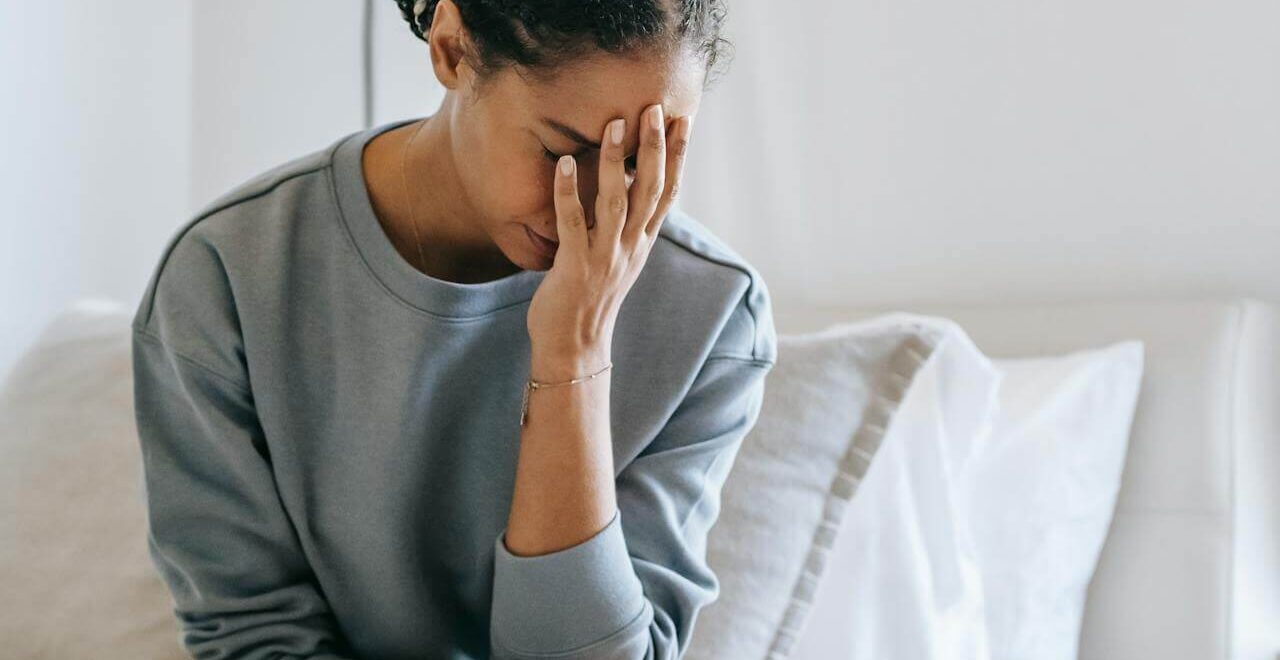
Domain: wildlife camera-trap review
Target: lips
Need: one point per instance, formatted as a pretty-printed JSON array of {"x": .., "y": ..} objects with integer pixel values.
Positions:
[
  {"x": 552, "y": 241},
  {"x": 545, "y": 246}
]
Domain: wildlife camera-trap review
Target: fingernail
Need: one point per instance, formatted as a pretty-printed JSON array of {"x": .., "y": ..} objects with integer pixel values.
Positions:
[
  {"x": 566, "y": 164},
  {"x": 618, "y": 126},
  {"x": 655, "y": 116}
]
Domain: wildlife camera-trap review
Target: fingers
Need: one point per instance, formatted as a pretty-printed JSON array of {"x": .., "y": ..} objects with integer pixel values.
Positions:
[
  {"x": 611, "y": 197},
  {"x": 651, "y": 165},
  {"x": 677, "y": 147},
  {"x": 571, "y": 220}
]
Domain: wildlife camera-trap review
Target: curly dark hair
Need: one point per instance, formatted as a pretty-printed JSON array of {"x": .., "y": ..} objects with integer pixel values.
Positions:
[{"x": 539, "y": 35}]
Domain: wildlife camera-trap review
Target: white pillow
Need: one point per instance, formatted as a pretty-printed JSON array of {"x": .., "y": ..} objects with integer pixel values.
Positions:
[
  {"x": 903, "y": 580},
  {"x": 826, "y": 405},
  {"x": 1042, "y": 493},
  {"x": 1018, "y": 487}
]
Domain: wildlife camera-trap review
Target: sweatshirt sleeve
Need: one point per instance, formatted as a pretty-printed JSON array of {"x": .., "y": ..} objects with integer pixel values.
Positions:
[
  {"x": 634, "y": 590},
  {"x": 217, "y": 530}
]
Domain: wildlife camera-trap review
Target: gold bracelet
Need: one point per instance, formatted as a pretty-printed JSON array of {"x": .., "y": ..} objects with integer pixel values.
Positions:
[{"x": 532, "y": 384}]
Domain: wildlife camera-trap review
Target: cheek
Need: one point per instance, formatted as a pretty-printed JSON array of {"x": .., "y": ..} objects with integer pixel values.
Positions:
[
  {"x": 525, "y": 190},
  {"x": 512, "y": 184}
]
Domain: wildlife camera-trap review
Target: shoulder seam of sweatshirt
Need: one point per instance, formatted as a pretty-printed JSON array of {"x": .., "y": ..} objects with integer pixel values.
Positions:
[{"x": 244, "y": 192}]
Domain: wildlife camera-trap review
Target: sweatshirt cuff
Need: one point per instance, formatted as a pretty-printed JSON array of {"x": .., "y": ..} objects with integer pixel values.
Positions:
[{"x": 567, "y": 599}]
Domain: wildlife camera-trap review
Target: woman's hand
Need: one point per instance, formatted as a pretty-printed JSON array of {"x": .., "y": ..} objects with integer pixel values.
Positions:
[{"x": 572, "y": 314}]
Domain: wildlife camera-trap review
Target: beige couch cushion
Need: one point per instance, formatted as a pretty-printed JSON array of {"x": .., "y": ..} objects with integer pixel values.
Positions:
[{"x": 78, "y": 582}]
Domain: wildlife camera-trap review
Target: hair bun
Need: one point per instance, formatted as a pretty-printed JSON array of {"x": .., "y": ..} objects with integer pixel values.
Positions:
[{"x": 414, "y": 11}]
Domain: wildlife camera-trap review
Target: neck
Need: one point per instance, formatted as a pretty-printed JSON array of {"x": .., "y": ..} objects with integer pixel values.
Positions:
[{"x": 433, "y": 209}]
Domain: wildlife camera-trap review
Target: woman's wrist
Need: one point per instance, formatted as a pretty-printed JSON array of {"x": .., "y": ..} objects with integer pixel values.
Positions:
[{"x": 555, "y": 365}]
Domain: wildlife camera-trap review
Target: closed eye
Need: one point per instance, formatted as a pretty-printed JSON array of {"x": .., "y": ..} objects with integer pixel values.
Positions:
[
  {"x": 629, "y": 163},
  {"x": 555, "y": 157}
]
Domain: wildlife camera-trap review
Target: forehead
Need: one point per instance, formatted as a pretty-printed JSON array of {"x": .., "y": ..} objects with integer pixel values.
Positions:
[{"x": 588, "y": 93}]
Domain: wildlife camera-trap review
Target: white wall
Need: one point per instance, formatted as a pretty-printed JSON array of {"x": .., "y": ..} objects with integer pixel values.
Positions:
[
  {"x": 871, "y": 153},
  {"x": 404, "y": 84},
  {"x": 94, "y": 158},
  {"x": 272, "y": 82},
  {"x": 896, "y": 152}
]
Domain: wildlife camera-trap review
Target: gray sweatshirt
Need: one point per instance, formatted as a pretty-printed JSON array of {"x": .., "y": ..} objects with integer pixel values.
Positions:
[{"x": 330, "y": 437}]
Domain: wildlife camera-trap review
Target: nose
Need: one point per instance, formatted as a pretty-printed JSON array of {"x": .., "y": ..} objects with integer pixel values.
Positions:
[{"x": 588, "y": 188}]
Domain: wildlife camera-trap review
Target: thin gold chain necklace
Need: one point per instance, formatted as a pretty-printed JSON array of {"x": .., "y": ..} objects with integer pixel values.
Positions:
[{"x": 413, "y": 217}]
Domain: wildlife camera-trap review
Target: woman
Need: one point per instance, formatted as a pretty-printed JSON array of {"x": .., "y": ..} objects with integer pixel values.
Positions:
[{"x": 331, "y": 359}]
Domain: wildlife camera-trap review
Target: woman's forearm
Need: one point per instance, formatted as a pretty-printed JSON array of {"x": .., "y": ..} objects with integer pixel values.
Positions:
[{"x": 564, "y": 490}]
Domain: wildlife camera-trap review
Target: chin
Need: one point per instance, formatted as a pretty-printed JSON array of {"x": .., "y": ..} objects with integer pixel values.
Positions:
[
  {"x": 532, "y": 262},
  {"x": 527, "y": 259}
]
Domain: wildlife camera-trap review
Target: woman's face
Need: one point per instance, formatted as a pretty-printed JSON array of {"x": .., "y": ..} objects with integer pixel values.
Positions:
[{"x": 508, "y": 139}]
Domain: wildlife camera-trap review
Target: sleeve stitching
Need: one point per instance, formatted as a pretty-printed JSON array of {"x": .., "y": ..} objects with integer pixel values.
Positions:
[
  {"x": 741, "y": 358},
  {"x": 244, "y": 389}
]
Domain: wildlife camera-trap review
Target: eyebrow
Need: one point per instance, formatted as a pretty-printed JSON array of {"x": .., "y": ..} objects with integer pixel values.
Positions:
[{"x": 570, "y": 133}]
